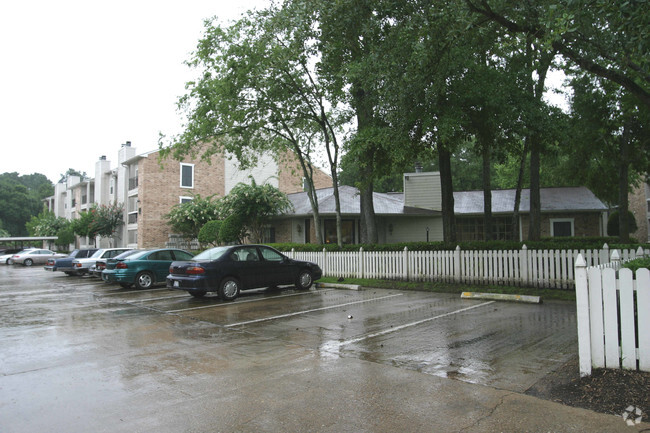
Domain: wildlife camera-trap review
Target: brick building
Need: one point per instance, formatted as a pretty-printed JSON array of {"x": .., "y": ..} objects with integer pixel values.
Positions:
[{"x": 148, "y": 188}]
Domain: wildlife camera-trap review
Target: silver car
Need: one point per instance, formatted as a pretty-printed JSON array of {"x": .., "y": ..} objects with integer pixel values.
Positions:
[
  {"x": 86, "y": 265},
  {"x": 35, "y": 257}
]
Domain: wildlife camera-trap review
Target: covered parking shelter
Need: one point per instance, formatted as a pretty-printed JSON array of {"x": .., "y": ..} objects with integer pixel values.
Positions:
[{"x": 20, "y": 241}]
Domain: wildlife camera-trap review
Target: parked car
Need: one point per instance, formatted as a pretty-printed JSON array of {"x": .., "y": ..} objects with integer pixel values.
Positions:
[
  {"x": 144, "y": 268},
  {"x": 35, "y": 257},
  {"x": 6, "y": 256},
  {"x": 81, "y": 265},
  {"x": 65, "y": 264},
  {"x": 227, "y": 270},
  {"x": 100, "y": 264}
]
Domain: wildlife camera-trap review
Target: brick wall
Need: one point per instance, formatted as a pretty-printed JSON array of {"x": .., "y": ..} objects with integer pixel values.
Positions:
[
  {"x": 584, "y": 224},
  {"x": 291, "y": 175},
  {"x": 159, "y": 189}
]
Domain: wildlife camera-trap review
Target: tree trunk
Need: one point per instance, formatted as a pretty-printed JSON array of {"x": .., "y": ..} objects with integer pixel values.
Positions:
[
  {"x": 447, "y": 189},
  {"x": 623, "y": 185},
  {"x": 520, "y": 182},
  {"x": 534, "y": 224},
  {"x": 365, "y": 120},
  {"x": 488, "y": 232}
]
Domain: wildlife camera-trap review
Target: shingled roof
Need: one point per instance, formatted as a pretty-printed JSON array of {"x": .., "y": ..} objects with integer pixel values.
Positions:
[{"x": 567, "y": 199}]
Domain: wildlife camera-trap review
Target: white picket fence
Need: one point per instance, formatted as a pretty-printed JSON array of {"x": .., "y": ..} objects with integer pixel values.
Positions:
[
  {"x": 613, "y": 313},
  {"x": 528, "y": 268}
]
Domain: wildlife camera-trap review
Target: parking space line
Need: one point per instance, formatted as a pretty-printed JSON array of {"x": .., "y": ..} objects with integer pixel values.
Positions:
[
  {"x": 338, "y": 344},
  {"x": 309, "y": 311},
  {"x": 243, "y": 302},
  {"x": 118, "y": 292},
  {"x": 161, "y": 299}
]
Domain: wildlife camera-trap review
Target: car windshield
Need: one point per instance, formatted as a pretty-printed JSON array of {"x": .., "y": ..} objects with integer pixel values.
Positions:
[
  {"x": 96, "y": 254},
  {"x": 136, "y": 254},
  {"x": 211, "y": 254}
]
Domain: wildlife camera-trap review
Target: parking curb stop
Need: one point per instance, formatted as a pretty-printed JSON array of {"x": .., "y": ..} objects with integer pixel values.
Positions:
[
  {"x": 502, "y": 297},
  {"x": 338, "y": 286}
]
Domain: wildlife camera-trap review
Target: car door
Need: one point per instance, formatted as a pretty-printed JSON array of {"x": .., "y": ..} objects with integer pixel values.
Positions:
[
  {"x": 158, "y": 263},
  {"x": 247, "y": 266},
  {"x": 279, "y": 269}
]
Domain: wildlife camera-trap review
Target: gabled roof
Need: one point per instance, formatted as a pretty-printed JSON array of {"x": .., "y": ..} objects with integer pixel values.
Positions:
[{"x": 567, "y": 199}]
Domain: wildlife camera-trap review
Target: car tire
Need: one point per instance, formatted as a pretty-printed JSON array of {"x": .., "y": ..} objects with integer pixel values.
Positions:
[
  {"x": 126, "y": 285},
  {"x": 10, "y": 262},
  {"x": 198, "y": 294},
  {"x": 229, "y": 288},
  {"x": 28, "y": 262},
  {"x": 304, "y": 280},
  {"x": 144, "y": 280}
]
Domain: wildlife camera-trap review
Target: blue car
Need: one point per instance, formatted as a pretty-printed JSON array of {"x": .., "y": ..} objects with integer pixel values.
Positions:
[{"x": 227, "y": 270}]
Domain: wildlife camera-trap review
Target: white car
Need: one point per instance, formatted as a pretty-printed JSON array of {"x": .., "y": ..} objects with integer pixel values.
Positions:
[
  {"x": 6, "y": 256},
  {"x": 83, "y": 266},
  {"x": 35, "y": 256}
]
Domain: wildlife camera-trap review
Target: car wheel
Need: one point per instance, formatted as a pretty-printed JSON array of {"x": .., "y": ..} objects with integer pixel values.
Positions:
[
  {"x": 144, "y": 280},
  {"x": 304, "y": 280},
  {"x": 228, "y": 289},
  {"x": 126, "y": 285},
  {"x": 28, "y": 262},
  {"x": 198, "y": 294},
  {"x": 10, "y": 262}
]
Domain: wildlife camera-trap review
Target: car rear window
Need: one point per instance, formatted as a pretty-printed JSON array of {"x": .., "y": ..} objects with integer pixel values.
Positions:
[{"x": 211, "y": 254}]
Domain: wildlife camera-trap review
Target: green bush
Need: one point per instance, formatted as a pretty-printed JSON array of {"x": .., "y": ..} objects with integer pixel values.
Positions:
[
  {"x": 209, "y": 233},
  {"x": 575, "y": 243},
  {"x": 612, "y": 223},
  {"x": 638, "y": 264}
]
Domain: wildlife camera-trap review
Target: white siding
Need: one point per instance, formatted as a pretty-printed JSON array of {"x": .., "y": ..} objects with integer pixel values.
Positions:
[
  {"x": 413, "y": 229},
  {"x": 423, "y": 190},
  {"x": 265, "y": 172}
]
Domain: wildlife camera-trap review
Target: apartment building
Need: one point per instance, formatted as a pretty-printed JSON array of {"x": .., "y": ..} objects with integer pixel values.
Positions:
[{"x": 149, "y": 187}]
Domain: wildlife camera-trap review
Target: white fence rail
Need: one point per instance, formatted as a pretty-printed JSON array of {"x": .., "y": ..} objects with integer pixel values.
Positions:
[
  {"x": 529, "y": 268},
  {"x": 613, "y": 313}
]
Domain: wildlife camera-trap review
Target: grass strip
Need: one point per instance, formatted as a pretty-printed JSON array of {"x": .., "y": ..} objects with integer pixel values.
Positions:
[{"x": 437, "y": 287}]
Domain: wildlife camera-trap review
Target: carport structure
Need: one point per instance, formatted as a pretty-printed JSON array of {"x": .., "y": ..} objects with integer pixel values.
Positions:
[{"x": 22, "y": 239}]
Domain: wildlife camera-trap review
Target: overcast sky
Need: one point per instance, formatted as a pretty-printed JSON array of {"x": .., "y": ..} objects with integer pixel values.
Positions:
[{"x": 79, "y": 77}]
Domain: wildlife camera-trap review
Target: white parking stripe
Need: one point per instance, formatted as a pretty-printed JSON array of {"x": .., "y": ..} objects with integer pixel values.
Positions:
[
  {"x": 309, "y": 311},
  {"x": 337, "y": 344},
  {"x": 244, "y": 302}
]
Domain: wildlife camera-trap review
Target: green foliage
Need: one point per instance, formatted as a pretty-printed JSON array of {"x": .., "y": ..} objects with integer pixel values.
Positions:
[
  {"x": 188, "y": 218},
  {"x": 100, "y": 220},
  {"x": 638, "y": 264},
  {"x": 209, "y": 233},
  {"x": 587, "y": 243},
  {"x": 255, "y": 206},
  {"x": 106, "y": 219},
  {"x": 20, "y": 199},
  {"x": 65, "y": 236},
  {"x": 613, "y": 226},
  {"x": 232, "y": 230},
  {"x": 46, "y": 224}
]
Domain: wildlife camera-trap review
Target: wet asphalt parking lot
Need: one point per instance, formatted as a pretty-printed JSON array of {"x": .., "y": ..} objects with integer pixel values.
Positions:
[{"x": 78, "y": 354}]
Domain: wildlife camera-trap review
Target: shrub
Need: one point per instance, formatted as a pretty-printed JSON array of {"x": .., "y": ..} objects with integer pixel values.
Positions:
[
  {"x": 209, "y": 233},
  {"x": 612, "y": 223},
  {"x": 638, "y": 264}
]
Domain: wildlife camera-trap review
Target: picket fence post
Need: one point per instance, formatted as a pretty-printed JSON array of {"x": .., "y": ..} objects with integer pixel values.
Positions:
[
  {"x": 457, "y": 263},
  {"x": 616, "y": 260},
  {"x": 361, "y": 266},
  {"x": 523, "y": 264},
  {"x": 582, "y": 315},
  {"x": 325, "y": 262},
  {"x": 405, "y": 264}
]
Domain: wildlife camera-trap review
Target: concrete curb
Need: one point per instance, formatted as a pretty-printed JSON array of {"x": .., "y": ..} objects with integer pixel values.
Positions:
[
  {"x": 502, "y": 297},
  {"x": 338, "y": 286}
]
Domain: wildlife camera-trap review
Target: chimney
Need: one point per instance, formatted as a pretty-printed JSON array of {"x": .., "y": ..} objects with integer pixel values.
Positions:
[
  {"x": 418, "y": 167},
  {"x": 102, "y": 158}
]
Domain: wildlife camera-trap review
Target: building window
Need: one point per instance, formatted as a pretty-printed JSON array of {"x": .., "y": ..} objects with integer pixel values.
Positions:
[
  {"x": 187, "y": 175},
  {"x": 471, "y": 229},
  {"x": 562, "y": 227},
  {"x": 269, "y": 235},
  {"x": 184, "y": 199},
  {"x": 347, "y": 232}
]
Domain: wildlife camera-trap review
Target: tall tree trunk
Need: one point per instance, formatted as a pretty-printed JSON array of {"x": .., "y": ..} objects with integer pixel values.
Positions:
[
  {"x": 623, "y": 185},
  {"x": 365, "y": 119},
  {"x": 534, "y": 225},
  {"x": 447, "y": 189},
  {"x": 488, "y": 232},
  {"x": 520, "y": 182}
]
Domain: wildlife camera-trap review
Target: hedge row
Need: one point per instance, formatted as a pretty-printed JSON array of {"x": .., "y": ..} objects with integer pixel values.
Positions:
[{"x": 586, "y": 243}]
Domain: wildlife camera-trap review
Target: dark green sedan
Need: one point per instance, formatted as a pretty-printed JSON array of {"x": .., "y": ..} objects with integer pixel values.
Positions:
[{"x": 142, "y": 268}]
